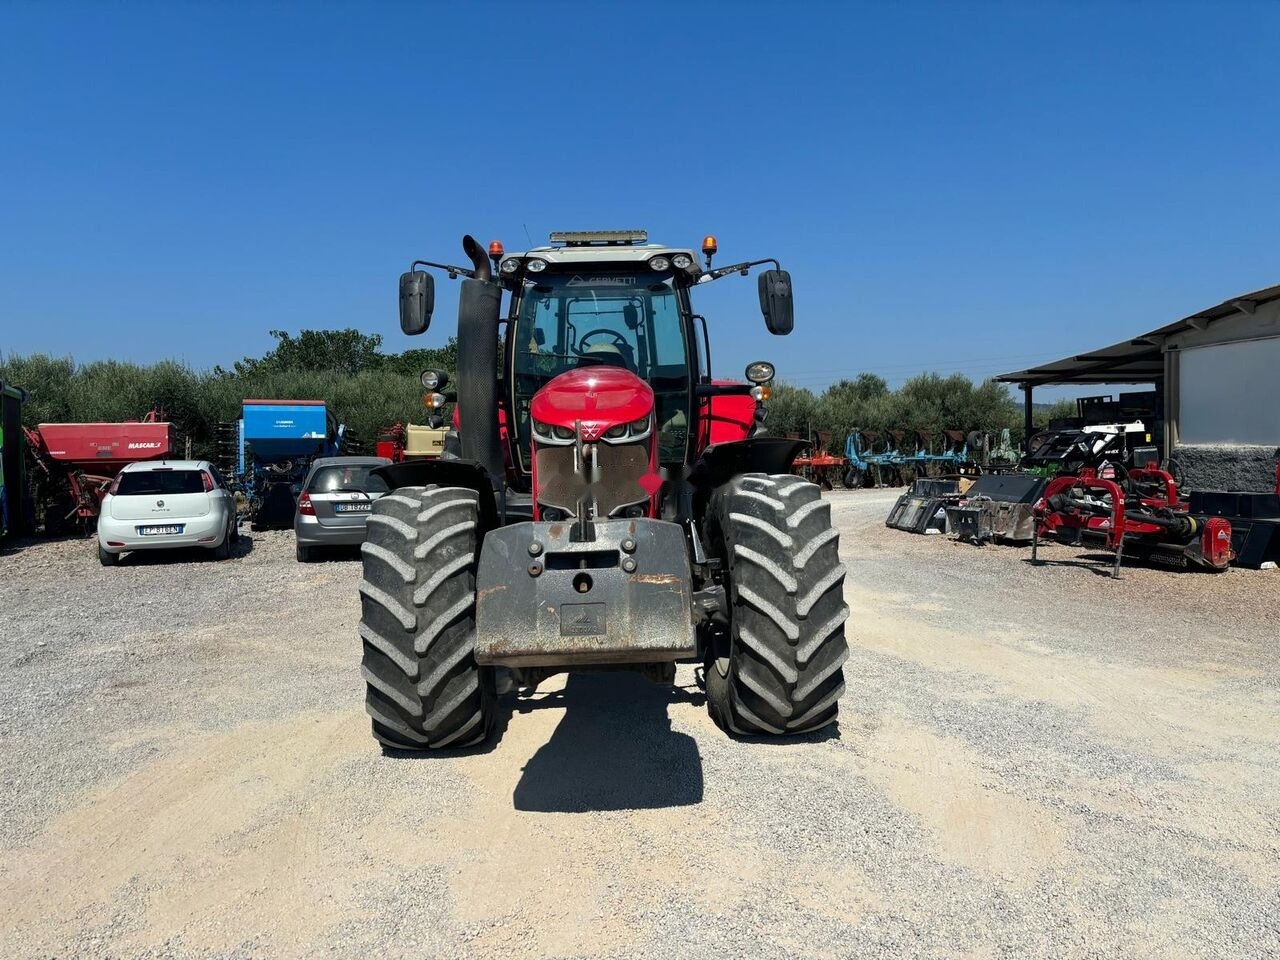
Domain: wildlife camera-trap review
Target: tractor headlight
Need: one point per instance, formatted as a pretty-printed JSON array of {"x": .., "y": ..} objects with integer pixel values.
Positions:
[
  {"x": 535, "y": 265},
  {"x": 563, "y": 433},
  {"x": 616, "y": 431},
  {"x": 434, "y": 401},
  {"x": 681, "y": 261},
  {"x": 761, "y": 393},
  {"x": 433, "y": 380},
  {"x": 638, "y": 428},
  {"x": 760, "y": 372},
  {"x": 659, "y": 263},
  {"x": 541, "y": 429},
  {"x": 510, "y": 265}
]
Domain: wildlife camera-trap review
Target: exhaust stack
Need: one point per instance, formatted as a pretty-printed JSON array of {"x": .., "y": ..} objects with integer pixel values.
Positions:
[{"x": 479, "y": 307}]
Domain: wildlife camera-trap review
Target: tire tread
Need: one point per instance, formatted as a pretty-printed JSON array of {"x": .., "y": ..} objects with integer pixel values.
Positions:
[
  {"x": 786, "y": 663},
  {"x": 423, "y": 688}
]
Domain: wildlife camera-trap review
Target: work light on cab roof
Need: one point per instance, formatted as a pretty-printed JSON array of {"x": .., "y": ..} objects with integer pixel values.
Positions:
[{"x": 603, "y": 501}]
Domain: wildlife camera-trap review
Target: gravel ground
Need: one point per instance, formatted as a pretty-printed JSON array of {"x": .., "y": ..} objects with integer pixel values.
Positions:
[{"x": 1031, "y": 762}]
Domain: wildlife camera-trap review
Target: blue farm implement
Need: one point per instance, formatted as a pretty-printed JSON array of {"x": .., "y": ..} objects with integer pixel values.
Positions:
[
  {"x": 923, "y": 462},
  {"x": 869, "y": 467},
  {"x": 277, "y": 440}
]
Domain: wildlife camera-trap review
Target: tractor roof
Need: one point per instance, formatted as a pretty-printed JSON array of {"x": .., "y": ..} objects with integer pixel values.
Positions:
[
  {"x": 603, "y": 254},
  {"x": 600, "y": 246}
]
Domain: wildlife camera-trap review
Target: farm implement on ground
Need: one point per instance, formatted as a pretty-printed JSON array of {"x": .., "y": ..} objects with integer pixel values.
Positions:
[
  {"x": 818, "y": 465},
  {"x": 868, "y": 467},
  {"x": 1136, "y": 514},
  {"x": 74, "y": 464},
  {"x": 276, "y": 442}
]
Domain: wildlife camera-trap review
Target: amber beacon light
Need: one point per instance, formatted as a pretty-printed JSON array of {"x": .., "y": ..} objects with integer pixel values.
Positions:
[{"x": 709, "y": 247}]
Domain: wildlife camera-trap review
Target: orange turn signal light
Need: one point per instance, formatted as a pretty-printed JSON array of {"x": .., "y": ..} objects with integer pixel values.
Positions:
[
  {"x": 495, "y": 248},
  {"x": 709, "y": 245}
]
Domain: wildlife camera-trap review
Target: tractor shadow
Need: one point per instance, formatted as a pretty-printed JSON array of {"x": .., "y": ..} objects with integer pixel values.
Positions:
[{"x": 614, "y": 749}]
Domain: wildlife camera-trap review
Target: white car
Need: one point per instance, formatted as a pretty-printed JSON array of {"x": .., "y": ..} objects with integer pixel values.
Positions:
[{"x": 164, "y": 504}]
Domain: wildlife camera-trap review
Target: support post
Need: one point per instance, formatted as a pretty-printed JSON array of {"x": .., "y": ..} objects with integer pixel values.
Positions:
[{"x": 1027, "y": 422}]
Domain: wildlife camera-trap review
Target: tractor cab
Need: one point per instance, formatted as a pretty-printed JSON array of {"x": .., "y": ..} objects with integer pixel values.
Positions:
[
  {"x": 614, "y": 314},
  {"x": 597, "y": 305}
]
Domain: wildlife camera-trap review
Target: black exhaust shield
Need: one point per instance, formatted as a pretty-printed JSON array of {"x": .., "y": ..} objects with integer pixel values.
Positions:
[{"x": 479, "y": 305}]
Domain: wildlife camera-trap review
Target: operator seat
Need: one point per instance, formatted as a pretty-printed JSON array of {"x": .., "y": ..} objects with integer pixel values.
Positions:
[{"x": 612, "y": 354}]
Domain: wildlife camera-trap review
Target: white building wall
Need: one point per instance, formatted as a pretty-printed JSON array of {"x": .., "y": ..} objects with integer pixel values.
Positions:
[
  {"x": 1229, "y": 393},
  {"x": 1227, "y": 380}
]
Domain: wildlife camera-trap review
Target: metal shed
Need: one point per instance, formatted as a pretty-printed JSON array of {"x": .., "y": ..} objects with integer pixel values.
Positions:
[{"x": 1215, "y": 370}]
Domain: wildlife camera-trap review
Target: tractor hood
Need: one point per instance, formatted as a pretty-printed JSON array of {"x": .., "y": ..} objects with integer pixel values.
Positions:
[{"x": 599, "y": 396}]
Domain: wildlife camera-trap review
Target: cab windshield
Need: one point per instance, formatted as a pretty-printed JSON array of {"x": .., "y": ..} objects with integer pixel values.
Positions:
[{"x": 631, "y": 321}]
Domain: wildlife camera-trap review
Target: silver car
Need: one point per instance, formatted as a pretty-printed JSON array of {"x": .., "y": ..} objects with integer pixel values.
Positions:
[{"x": 335, "y": 502}]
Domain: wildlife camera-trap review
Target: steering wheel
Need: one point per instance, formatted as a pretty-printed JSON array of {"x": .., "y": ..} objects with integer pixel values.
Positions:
[{"x": 619, "y": 340}]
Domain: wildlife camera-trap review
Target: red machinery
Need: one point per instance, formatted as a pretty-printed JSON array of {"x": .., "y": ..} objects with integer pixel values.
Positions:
[
  {"x": 391, "y": 443},
  {"x": 817, "y": 465},
  {"x": 1139, "y": 513},
  {"x": 76, "y": 462}
]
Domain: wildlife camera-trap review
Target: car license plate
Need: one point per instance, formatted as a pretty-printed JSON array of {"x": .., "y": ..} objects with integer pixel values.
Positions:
[
  {"x": 352, "y": 507},
  {"x": 160, "y": 530}
]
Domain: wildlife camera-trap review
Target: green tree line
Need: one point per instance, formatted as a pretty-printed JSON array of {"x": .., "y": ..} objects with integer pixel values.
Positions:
[
  {"x": 369, "y": 389},
  {"x": 365, "y": 388},
  {"x": 928, "y": 402}
]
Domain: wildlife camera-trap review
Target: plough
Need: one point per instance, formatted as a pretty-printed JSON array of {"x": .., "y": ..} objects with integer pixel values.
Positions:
[{"x": 818, "y": 465}]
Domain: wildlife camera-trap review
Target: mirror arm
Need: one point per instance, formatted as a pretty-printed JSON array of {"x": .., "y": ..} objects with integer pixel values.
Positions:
[
  {"x": 741, "y": 268},
  {"x": 451, "y": 270}
]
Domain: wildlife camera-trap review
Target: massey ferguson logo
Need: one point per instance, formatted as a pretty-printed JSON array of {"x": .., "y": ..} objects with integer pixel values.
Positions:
[
  {"x": 144, "y": 445},
  {"x": 592, "y": 431}
]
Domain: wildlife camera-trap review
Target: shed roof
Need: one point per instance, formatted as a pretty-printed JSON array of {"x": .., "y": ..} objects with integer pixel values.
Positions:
[{"x": 1138, "y": 360}]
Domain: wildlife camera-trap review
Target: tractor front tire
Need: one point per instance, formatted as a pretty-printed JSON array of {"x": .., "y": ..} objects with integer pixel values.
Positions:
[
  {"x": 781, "y": 672},
  {"x": 424, "y": 689}
]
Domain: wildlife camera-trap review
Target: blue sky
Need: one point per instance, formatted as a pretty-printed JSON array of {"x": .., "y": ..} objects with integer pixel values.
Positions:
[{"x": 960, "y": 187}]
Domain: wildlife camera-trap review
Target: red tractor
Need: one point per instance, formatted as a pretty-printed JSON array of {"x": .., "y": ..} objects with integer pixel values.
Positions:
[{"x": 602, "y": 529}]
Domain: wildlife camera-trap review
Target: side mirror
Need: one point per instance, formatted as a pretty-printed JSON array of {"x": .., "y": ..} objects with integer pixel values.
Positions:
[
  {"x": 776, "y": 303},
  {"x": 417, "y": 300}
]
